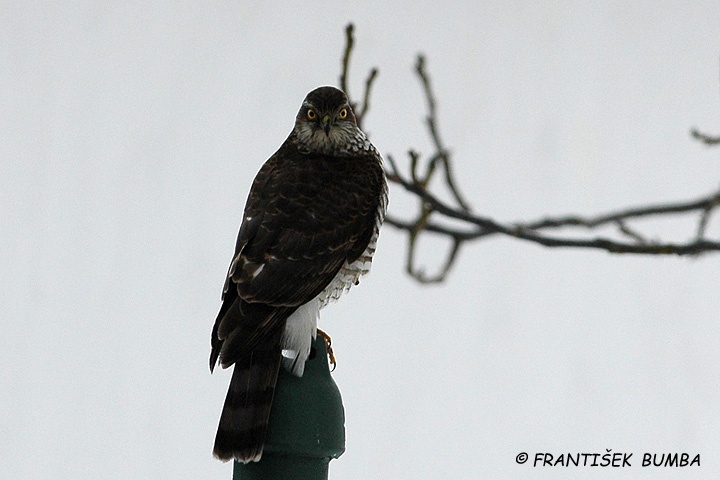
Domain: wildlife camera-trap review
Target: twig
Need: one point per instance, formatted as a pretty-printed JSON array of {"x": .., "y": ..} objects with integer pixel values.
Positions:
[
  {"x": 709, "y": 201},
  {"x": 627, "y": 231},
  {"x": 349, "y": 44},
  {"x": 705, "y": 138},
  {"x": 345, "y": 69},
  {"x": 431, "y": 119},
  {"x": 366, "y": 98}
]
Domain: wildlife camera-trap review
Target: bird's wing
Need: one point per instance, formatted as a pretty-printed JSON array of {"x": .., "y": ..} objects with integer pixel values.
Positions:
[{"x": 305, "y": 217}]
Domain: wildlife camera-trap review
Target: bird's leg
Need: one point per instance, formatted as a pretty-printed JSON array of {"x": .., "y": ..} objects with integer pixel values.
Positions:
[{"x": 328, "y": 347}]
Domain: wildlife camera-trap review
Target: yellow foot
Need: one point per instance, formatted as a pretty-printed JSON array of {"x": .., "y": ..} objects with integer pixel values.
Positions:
[{"x": 328, "y": 347}]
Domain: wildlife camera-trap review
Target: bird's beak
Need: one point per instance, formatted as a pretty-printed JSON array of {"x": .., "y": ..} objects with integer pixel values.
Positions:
[{"x": 326, "y": 124}]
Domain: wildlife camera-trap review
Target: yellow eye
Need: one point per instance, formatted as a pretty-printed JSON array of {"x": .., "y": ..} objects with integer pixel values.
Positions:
[
  {"x": 311, "y": 115},
  {"x": 343, "y": 114}
]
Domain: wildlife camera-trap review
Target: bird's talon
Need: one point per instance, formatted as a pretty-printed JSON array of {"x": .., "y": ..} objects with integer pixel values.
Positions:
[{"x": 328, "y": 347}]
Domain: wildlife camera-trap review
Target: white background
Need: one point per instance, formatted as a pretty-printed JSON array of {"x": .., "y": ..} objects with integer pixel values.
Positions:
[{"x": 130, "y": 133}]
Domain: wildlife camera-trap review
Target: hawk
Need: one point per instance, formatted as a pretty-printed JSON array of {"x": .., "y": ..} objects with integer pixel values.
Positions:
[{"x": 308, "y": 233}]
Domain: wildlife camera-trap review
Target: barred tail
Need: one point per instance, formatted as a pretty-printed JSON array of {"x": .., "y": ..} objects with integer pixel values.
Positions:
[{"x": 244, "y": 419}]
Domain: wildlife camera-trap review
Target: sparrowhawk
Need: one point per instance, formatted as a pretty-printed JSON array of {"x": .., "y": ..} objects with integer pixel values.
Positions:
[{"x": 308, "y": 233}]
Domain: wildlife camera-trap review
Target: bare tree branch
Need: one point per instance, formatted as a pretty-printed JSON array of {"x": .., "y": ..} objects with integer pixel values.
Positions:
[
  {"x": 530, "y": 231},
  {"x": 474, "y": 227},
  {"x": 705, "y": 138},
  {"x": 345, "y": 69},
  {"x": 701, "y": 204},
  {"x": 349, "y": 44},
  {"x": 441, "y": 153},
  {"x": 366, "y": 99}
]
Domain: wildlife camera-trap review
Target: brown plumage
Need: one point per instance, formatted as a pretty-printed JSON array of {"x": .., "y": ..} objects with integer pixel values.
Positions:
[{"x": 308, "y": 232}]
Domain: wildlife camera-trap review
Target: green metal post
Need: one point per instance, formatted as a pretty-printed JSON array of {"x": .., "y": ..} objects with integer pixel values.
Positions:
[{"x": 307, "y": 426}]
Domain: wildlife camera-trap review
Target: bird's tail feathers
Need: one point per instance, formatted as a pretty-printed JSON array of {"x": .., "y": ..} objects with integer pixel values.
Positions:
[{"x": 244, "y": 419}]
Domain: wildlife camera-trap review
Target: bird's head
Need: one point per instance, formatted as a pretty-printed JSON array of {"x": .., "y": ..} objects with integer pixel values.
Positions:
[{"x": 326, "y": 123}]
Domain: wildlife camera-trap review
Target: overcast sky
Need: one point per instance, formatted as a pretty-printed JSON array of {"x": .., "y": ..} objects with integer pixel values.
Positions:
[{"x": 130, "y": 134}]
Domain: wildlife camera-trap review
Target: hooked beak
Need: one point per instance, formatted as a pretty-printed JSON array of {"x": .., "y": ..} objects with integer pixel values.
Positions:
[{"x": 326, "y": 124}]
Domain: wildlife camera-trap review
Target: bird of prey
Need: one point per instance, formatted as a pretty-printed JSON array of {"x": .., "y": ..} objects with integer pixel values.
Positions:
[{"x": 308, "y": 233}]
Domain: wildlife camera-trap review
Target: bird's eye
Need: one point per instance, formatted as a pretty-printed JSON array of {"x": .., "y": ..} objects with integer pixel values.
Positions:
[
  {"x": 343, "y": 114},
  {"x": 311, "y": 114}
]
